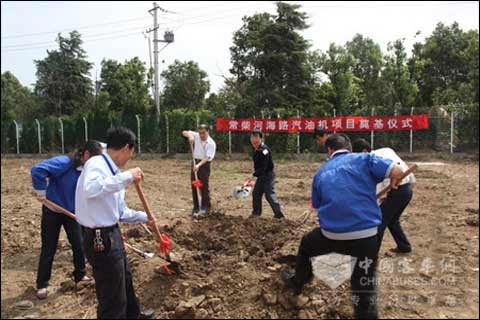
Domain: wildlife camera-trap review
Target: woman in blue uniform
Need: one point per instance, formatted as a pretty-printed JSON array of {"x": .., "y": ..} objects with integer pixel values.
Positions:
[{"x": 55, "y": 179}]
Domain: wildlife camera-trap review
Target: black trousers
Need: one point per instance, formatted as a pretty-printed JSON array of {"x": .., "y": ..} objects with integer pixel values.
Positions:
[
  {"x": 266, "y": 185},
  {"x": 113, "y": 278},
  {"x": 203, "y": 175},
  {"x": 392, "y": 208},
  {"x": 363, "y": 279},
  {"x": 51, "y": 224}
]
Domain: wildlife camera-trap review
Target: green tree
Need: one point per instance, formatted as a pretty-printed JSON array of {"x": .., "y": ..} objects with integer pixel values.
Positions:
[
  {"x": 443, "y": 66},
  {"x": 124, "y": 87},
  {"x": 271, "y": 61},
  {"x": 185, "y": 86},
  {"x": 18, "y": 101},
  {"x": 401, "y": 89},
  {"x": 63, "y": 85},
  {"x": 337, "y": 63},
  {"x": 366, "y": 67}
]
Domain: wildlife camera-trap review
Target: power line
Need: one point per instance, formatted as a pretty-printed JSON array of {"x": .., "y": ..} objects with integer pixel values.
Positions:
[
  {"x": 83, "y": 37},
  {"x": 71, "y": 29},
  {"x": 170, "y": 21},
  {"x": 86, "y": 42}
]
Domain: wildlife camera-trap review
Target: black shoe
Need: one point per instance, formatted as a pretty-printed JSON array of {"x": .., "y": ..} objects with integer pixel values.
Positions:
[
  {"x": 146, "y": 314},
  {"x": 194, "y": 212},
  {"x": 397, "y": 250},
  {"x": 255, "y": 215},
  {"x": 288, "y": 278},
  {"x": 279, "y": 216}
]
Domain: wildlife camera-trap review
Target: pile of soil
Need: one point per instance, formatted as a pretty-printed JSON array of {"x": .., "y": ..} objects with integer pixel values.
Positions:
[{"x": 230, "y": 268}]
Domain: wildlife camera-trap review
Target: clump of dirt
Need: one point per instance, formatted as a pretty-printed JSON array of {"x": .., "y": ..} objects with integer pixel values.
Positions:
[
  {"x": 472, "y": 219},
  {"x": 230, "y": 269}
]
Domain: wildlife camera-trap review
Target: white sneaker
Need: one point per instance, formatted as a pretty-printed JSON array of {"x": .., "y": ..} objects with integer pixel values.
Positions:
[
  {"x": 42, "y": 293},
  {"x": 199, "y": 213}
]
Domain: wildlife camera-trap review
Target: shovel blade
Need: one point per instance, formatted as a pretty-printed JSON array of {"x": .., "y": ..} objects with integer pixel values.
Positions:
[{"x": 241, "y": 192}]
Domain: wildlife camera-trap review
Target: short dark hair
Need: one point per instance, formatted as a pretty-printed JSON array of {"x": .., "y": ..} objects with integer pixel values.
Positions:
[
  {"x": 256, "y": 132},
  {"x": 338, "y": 141},
  {"x": 118, "y": 137},
  {"x": 203, "y": 126},
  {"x": 360, "y": 144},
  {"x": 92, "y": 146},
  {"x": 319, "y": 132}
]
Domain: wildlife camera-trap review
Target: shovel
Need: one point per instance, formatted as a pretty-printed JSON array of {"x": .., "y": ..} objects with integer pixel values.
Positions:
[
  {"x": 403, "y": 176},
  {"x": 164, "y": 242},
  {"x": 57, "y": 207},
  {"x": 243, "y": 191},
  {"x": 140, "y": 252}
]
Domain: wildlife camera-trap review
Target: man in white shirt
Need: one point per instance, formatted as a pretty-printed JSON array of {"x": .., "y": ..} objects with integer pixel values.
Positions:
[
  {"x": 204, "y": 149},
  {"x": 395, "y": 202},
  {"x": 100, "y": 205}
]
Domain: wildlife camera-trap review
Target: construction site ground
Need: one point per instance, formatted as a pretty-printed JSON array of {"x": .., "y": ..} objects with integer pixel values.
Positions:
[{"x": 231, "y": 262}]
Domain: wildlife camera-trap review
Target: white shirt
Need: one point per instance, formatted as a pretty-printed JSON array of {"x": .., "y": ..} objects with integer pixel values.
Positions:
[
  {"x": 100, "y": 195},
  {"x": 203, "y": 149},
  {"x": 388, "y": 153},
  {"x": 104, "y": 147}
]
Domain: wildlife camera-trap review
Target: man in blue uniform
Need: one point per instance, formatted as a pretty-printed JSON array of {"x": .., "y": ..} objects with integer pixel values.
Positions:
[
  {"x": 55, "y": 179},
  {"x": 344, "y": 194}
]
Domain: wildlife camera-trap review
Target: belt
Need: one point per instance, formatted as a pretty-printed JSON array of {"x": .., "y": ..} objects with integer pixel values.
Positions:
[{"x": 107, "y": 229}]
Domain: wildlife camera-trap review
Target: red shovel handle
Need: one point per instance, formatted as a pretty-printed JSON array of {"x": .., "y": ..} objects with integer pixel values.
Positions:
[
  {"x": 141, "y": 195},
  {"x": 164, "y": 242},
  {"x": 248, "y": 182}
]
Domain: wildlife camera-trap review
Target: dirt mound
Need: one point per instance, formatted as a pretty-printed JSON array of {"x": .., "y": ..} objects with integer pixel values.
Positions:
[{"x": 230, "y": 270}]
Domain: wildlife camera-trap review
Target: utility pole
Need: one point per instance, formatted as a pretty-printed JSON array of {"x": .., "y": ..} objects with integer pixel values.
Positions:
[
  {"x": 168, "y": 38},
  {"x": 155, "y": 57}
]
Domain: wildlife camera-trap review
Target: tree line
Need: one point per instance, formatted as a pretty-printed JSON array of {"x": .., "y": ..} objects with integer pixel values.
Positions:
[{"x": 274, "y": 70}]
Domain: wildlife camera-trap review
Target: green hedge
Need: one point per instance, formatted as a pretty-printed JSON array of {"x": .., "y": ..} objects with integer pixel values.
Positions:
[{"x": 153, "y": 132}]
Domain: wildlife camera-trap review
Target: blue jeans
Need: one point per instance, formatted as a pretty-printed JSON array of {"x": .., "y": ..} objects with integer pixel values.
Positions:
[{"x": 50, "y": 231}]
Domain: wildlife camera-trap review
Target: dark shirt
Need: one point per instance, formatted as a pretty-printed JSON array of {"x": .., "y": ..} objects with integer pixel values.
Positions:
[{"x": 262, "y": 161}]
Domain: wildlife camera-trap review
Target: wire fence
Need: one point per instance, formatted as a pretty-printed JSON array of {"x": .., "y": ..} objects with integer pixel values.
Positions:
[{"x": 448, "y": 131}]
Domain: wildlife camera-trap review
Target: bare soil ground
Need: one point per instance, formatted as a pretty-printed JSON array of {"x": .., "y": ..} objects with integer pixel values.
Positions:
[{"x": 231, "y": 263}]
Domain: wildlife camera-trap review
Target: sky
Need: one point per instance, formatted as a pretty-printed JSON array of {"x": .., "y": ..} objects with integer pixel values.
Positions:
[{"x": 204, "y": 29}]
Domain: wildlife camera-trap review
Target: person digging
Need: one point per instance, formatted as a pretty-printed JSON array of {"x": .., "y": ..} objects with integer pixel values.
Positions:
[
  {"x": 100, "y": 205},
  {"x": 344, "y": 195},
  {"x": 395, "y": 202},
  {"x": 203, "y": 151},
  {"x": 55, "y": 179}
]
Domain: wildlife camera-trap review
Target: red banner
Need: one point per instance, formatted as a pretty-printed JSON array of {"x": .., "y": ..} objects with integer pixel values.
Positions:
[{"x": 343, "y": 123}]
